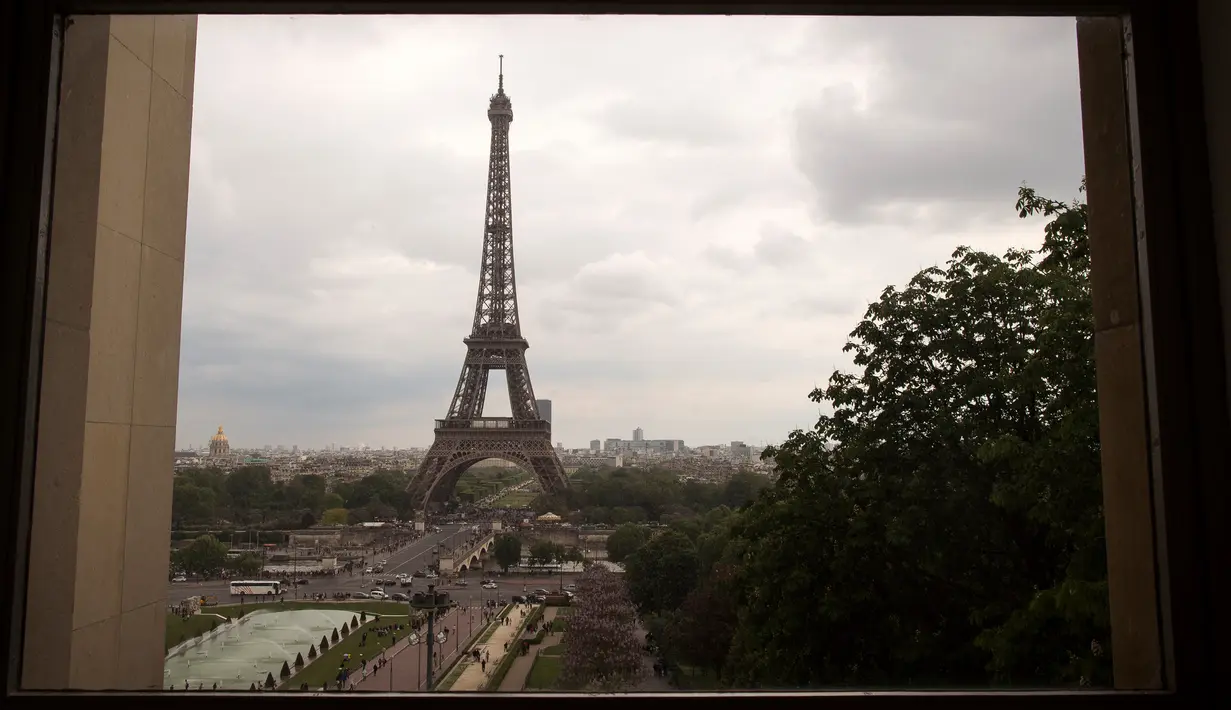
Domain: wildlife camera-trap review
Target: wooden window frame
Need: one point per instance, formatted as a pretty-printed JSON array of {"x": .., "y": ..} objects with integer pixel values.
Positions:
[{"x": 1147, "y": 163}]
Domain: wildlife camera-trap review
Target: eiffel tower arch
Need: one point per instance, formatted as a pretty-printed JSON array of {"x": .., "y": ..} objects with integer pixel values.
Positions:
[{"x": 465, "y": 437}]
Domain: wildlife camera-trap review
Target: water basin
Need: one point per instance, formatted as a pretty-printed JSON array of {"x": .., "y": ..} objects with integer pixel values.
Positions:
[{"x": 246, "y": 652}]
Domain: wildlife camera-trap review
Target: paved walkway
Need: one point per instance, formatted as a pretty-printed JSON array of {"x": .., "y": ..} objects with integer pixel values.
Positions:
[
  {"x": 515, "y": 680},
  {"x": 650, "y": 683},
  {"x": 406, "y": 670},
  {"x": 475, "y": 675}
]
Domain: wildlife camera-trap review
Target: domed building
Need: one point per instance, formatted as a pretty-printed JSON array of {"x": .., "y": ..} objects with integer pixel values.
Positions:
[{"x": 218, "y": 445}]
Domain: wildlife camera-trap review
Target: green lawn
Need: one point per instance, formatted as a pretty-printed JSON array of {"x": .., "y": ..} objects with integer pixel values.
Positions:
[
  {"x": 557, "y": 650},
  {"x": 180, "y": 630},
  {"x": 516, "y": 499},
  {"x": 544, "y": 672},
  {"x": 324, "y": 668}
]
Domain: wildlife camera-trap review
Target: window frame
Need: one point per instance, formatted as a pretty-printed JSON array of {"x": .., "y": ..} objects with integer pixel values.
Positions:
[{"x": 1185, "y": 373}]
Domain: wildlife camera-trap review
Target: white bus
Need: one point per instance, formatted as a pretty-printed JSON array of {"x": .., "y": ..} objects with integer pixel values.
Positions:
[{"x": 271, "y": 587}]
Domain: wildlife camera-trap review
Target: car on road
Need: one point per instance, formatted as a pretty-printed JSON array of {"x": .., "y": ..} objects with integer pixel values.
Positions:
[
  {"x": 408, "y": 582},
  {"x": 399, "y": 597},
  {"x": 182, "y": 578},
  {"x": 369, "y": 570},
  {"x": 377, "y": 594},
  {"x": 487, "y": 585},
  {"x": 569, "y": 587},
  {"x": 361, "y": 595},
  {"x": 419, "y": 573},
  {"x": 378, "y": 581},
  {"x": 540, "y": 592},
  {"x": 462, "y": 583},
  {"x": 389, "y": 582}
]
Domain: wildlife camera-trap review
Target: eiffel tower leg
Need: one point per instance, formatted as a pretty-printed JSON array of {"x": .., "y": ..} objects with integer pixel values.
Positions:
[
  {"x": 521, "y": 393},
  {"x": 470, "y": 393},
  {"x": 451, "y": 454}
]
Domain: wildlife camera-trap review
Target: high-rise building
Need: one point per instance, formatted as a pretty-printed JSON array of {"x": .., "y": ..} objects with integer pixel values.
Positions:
[
  {"x": 544, "y": 406},
  {"x": 596, "y": 445},
  {"x": 638, "y": 434}
]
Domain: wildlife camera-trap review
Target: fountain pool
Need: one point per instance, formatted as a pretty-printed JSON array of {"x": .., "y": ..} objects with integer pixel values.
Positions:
[{"x": 242, "y": 653}]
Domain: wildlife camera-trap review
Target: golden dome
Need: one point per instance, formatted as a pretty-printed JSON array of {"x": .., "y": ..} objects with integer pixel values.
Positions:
[{"x": 219, "y": 436}]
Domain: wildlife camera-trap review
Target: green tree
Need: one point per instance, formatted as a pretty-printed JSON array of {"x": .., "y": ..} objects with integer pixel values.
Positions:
[
  {"x": 943, "y": 524},
  {"x": 700, "y": 632},
  {"x": 247, "y": 564},
  {"x": 543, "y": 552},
  {"x": 662, "y": 573},
  {"x": 626, "y": 540},
  {"x": 335, "y": 516},
  {"x": 204, "y": 555},
  {"x": 507, "y": 551},
  {"x": 192, "y": 504}
]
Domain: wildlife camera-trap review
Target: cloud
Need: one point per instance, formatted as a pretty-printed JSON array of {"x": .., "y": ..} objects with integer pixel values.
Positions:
[
  {"x": 698, "y": 224},
  {"x": 943, "y": 118}
]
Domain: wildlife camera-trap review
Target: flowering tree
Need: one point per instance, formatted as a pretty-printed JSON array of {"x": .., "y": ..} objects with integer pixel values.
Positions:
[{"x": 603, "y": 650}]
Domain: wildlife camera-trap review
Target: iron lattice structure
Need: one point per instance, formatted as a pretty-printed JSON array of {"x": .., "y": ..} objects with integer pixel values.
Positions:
[{"x": 465, "y": 437}]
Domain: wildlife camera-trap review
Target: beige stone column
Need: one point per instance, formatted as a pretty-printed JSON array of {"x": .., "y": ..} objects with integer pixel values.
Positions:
[{"x": 97, "y": 589}]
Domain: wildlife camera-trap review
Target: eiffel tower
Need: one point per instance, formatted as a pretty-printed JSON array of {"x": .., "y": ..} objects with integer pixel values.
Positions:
[{"x": 465, "y": 437}]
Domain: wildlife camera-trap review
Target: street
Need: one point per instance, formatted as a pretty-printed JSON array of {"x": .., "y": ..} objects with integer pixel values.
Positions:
[{"x": 415, "y": 556}]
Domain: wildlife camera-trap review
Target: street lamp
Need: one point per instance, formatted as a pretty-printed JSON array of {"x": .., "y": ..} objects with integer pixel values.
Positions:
[{"x": 431, "y": 602}]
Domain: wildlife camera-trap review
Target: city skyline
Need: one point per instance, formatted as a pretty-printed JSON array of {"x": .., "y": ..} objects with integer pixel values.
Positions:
[
  {"x": 186, "y": 443},
  {"x": 698, "y": 225}
]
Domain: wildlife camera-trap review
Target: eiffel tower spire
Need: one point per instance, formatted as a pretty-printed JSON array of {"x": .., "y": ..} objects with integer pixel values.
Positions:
[
  {"x": 495, "y": 313},
  {"x": 465, "y": 437}
]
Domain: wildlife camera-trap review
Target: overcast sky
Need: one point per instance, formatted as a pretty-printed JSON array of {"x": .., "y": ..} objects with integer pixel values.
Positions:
[{"x": 703, "y": 208}]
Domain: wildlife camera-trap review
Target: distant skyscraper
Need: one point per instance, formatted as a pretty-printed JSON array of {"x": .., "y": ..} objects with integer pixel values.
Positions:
[
  {"x": 544, "y": 406},
  {"x": 638, "y": 435},
  {"x": 596, "y": 445}
]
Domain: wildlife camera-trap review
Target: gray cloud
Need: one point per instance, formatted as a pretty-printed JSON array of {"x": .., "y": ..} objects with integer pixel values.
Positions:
[
  {"x": 957, "y": 111},
  {"x": 698, "y": 223}
]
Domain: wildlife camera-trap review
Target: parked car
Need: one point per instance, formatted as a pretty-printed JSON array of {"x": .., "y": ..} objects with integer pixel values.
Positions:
[
  {"x": 362, "y": 595},
  {"x": 377, "y": 594},
  {"x": 399, "y": 597},
  {"x": 182, "y": 578}
]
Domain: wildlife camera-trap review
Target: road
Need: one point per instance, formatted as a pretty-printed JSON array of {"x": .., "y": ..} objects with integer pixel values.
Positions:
[{"x": 415, "y": 556}]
